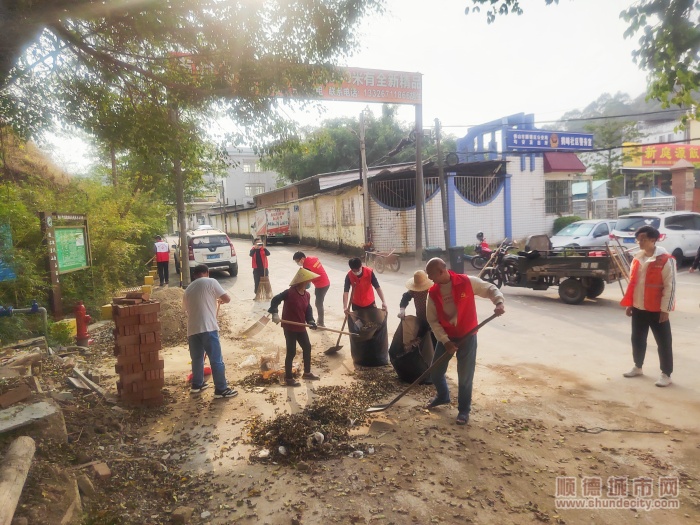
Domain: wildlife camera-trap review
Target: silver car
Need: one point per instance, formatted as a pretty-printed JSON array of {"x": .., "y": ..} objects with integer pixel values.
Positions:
[{"x": 591, "y": 233}]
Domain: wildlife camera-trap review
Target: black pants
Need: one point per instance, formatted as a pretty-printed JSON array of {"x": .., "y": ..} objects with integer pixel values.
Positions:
[
  {"x": 257, "y": 274},
  {"x": 163, "y": 273},
  {"x": 642, "y": 321},
  {"x": 320, "y": 297},
  {"x": 303, "y": 339}
]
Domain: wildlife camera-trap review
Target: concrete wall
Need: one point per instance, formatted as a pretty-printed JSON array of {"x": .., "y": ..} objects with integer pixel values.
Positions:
[{"x": 527, "y": 197}]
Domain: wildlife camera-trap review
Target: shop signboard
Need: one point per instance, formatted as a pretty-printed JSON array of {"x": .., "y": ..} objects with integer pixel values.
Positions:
[{"x": 542, "y": 140}]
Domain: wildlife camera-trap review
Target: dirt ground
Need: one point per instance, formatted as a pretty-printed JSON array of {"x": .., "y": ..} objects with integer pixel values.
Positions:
[{"x": 536, "y": 409}]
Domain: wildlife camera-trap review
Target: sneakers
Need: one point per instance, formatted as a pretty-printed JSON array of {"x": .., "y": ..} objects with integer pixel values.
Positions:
[
  {"x": 435, "y": 402},
  {"x": 197, "y": 390},
  {"x": 290, "y": 381},
  {"x": 634, "y": 372},
  {"x": 664, "y": 380},
  {"x": 463, "y": 418},
  {"x": 229, "y": 392},
  {"x": 309, "y": 376}
]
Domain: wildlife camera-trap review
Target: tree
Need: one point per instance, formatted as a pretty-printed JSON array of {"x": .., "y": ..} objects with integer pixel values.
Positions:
[
  {"x": 248, "y": 51},
  {"x": 669, "y": 45},
  {"x": 335, "y": 146}
]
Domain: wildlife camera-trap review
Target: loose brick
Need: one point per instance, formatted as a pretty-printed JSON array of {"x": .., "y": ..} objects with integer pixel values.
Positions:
[
  {"x": 150, "y": 327},
  {"x": 102, "y": 471},
  {"x": 182, "y": 515},
  {"x": 15, "y": 396}
]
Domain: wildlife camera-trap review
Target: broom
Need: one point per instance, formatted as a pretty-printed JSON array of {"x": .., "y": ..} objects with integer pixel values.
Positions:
[{"x": 264, "y": 292}]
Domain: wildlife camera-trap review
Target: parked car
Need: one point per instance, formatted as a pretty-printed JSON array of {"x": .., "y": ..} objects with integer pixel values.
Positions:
[
  {"x": 211, "y": 247},
  {"x": 680, "y": 230},
  {"x": 591, "y": 233}
]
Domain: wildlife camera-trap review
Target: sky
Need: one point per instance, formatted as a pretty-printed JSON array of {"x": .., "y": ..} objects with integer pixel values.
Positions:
[{"x": 550, "y": 60}]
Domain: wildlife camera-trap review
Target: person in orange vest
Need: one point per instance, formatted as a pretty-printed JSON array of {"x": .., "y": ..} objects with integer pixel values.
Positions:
[
  {"x": 321, "y": 283},
  {"x": 451, "y": 312},
  {"x": 162, "y": 259},
  {"x": 649, "y": 298},
  {"x": 259, "y": 255},
  {"x": 361, "y": 279},
  {"x": 297, "y": 308}
]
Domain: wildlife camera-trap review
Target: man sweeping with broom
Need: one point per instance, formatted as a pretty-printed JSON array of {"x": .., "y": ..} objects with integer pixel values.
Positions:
[
  {"x": 296, "y": 310},
  {"x": 259, "y": 255}
]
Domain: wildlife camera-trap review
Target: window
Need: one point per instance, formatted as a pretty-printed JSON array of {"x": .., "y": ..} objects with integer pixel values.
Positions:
[
  {"x": 557, "y": 196},
  {"x": 247, "y": 168},
  {"x": 601, "y": 229},
  {"x": 680, "y": 222},
  {"x": 254, "y": 189}
]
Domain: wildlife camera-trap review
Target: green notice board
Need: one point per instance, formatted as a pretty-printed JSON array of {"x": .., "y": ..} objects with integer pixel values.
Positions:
[{"x": 71, "y": 249}]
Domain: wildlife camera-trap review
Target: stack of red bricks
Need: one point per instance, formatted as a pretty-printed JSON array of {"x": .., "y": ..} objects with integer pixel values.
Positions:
[{"x": 137, "y": 348}]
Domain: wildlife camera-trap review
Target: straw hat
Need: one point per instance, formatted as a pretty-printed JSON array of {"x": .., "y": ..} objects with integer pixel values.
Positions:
[
  {"x": 303, "y": 275},
  {"x": 419, "y": 282}
]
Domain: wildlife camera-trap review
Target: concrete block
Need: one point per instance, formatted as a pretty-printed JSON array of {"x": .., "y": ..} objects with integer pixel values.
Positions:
[
  {"x": 102, "y": 471},
  {"x": 86, "y": 487}
]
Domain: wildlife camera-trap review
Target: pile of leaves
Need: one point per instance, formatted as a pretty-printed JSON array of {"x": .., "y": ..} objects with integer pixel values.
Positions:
[{"x": 334, "y": 412}]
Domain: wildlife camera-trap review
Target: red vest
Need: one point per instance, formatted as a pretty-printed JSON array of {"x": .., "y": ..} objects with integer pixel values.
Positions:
[
  {"x": 653, "y": 284},
  {"x": 363, "y": 294},
  {"x": 463, "y": 296},
  {"x": 162, "y": 251},
  {"x": 262, "y": 256},
  {"x": 314, "y": 265},
  {"x": 294, "y": 309}
]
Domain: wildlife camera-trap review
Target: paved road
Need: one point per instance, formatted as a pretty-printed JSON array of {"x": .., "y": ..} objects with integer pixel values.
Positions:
[{"x": 588, "y": 344}]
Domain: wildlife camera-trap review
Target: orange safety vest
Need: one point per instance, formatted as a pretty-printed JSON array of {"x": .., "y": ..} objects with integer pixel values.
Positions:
[
  {"x": 653, "y": 284},
  {"x": 463, "y": 296},
  {"x": 314, "y": 265},
  {"x": 363, "y": 294},
  {"x": 262, "y": 256}
]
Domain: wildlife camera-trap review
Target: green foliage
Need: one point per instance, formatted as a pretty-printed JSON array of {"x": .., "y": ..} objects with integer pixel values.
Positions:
[
  {"x": 562, "y": 222},
  {"x": 60, "y": 334},
  {"x": 335, "y": 146}
]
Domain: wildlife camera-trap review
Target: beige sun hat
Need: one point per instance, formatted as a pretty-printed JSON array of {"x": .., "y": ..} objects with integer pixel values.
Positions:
[
  {"x": 303, "y": 275},
  {"x": 419, "y": 282}
]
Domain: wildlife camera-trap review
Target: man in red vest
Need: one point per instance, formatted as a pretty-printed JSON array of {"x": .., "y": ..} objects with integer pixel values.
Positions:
[
  {"x": 259, "y": 254},
  {"x": 451, "y": 312},
  {"x": 649, "y": 298},
  {"x": 321, "y": 283},
  {"x": 361, "y": 279},
  {"x": 162, "y": 258}
]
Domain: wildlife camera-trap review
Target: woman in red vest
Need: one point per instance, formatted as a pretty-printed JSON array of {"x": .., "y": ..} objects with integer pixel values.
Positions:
[
  {"x": 451, "y": 312},
  {"x": 259, "y": 254},
  {"x": 321, "y": 283},
  {"x": 361, "y": 279},
  {"x": 649, "y": 298}
]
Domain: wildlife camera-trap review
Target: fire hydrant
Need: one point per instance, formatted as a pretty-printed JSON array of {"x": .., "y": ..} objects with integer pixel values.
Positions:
[{"x": 82, "y": 320}]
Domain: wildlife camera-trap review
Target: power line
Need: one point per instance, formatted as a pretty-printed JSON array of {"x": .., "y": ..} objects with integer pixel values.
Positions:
[{"x": 585, "y": 119}]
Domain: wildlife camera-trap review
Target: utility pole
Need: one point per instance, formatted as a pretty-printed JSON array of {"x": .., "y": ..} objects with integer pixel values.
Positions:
[
  {"x": 420, "y": 190},
  {"x": 365, "y": 185},
  {"x": 443, "y": 189},
  {"x": 180, "y": 203}
]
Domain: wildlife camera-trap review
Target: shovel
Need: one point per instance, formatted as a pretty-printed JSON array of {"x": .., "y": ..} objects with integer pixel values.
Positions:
[
  {"x": 338, "y": 346},
  {"x": 318, "y": 327},
  {"x": 444, "y": 357}
]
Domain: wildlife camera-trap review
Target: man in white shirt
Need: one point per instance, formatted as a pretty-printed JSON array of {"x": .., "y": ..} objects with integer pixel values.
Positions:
[
  {"x": 451, "y": 312},
  {"x": 201, "y": 301}
]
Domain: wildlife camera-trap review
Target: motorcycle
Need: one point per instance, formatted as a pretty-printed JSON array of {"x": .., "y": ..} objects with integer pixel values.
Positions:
[
  {"x": 502, "y": 267},
  {"x": 483, "y": 254}
]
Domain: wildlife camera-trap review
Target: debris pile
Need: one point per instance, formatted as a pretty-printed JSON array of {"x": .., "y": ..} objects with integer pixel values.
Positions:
[{"x": 332, "y": 414}]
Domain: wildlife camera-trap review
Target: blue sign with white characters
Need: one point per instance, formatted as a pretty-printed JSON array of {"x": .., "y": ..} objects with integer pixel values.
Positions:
[{"x": 540, "y": 140}]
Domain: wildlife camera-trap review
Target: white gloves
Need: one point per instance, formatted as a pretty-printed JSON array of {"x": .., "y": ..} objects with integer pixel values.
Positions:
[
  {"x": 276, "y": 319},
  {"x": 402, "y": 313}
]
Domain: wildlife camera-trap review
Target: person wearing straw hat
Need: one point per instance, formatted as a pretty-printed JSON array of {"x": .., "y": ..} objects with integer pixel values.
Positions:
[
  {"x": 418, "y": 287},
  {"x": 297, "y": 309}
]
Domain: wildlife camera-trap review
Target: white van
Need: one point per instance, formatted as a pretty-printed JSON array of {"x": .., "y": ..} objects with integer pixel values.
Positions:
[{"x": 680, "y": 230}]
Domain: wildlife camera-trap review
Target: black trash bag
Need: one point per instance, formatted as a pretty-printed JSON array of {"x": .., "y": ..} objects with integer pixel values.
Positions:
[
  {"x": 411, "y": 360},
  {"x": 370, "y": 347}
]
